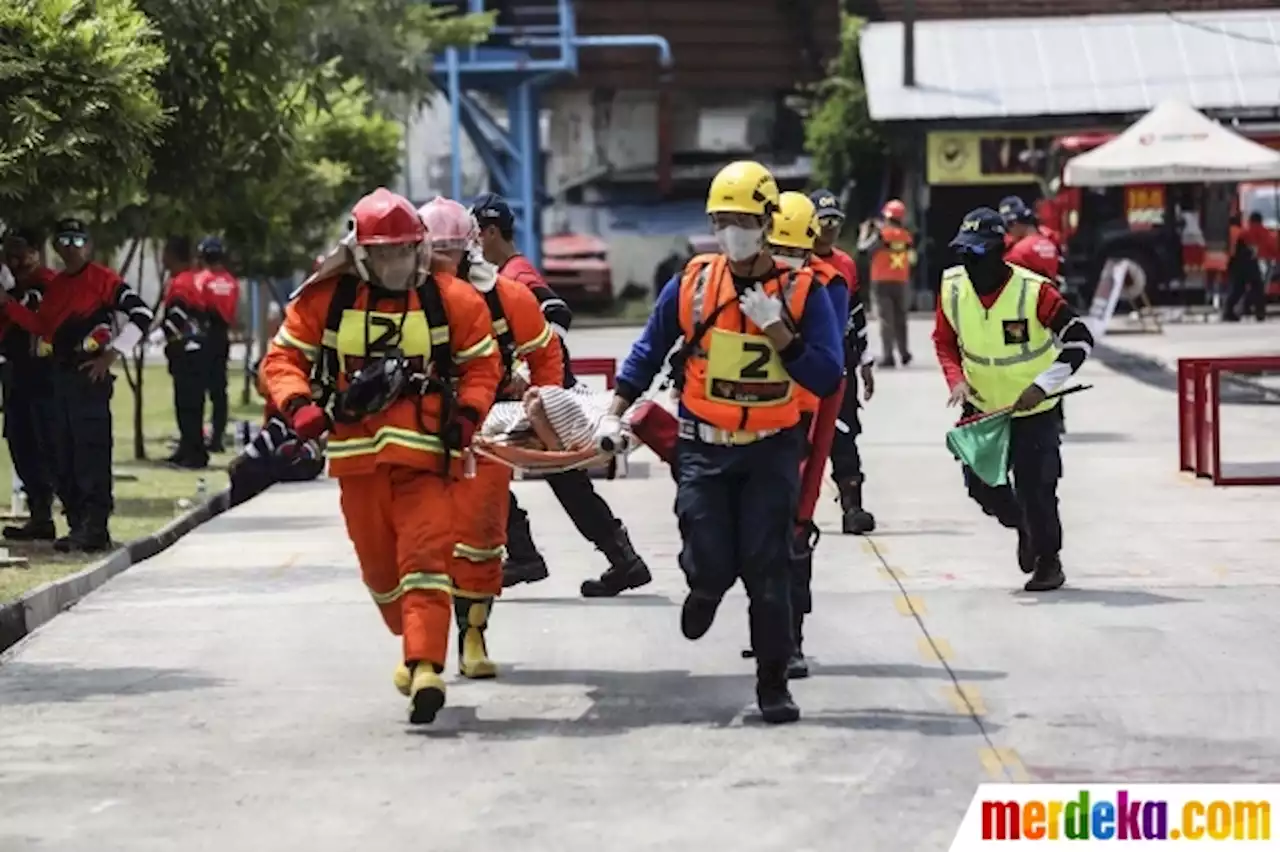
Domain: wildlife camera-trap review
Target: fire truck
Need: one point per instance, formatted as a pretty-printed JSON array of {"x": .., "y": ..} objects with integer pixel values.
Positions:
[{"x": 1164, "y": 228}]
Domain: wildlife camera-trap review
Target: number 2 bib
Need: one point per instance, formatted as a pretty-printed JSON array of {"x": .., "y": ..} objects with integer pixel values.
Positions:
[{"x": 744, "y": 369}]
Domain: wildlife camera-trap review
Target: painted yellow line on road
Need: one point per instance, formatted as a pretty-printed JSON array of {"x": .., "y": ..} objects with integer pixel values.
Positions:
[
  {"x": 874, "y": 547},
  {"x": 933, "y": 651},
  {"x": 1003, "y": 764},
  {"x": 909, "y": 605},
  {"x": 965, "y": 699},
  {"x": 890, "y": 573},
  {"x": 288, "y": 563},
  {"x": 1221, "y": 570}
]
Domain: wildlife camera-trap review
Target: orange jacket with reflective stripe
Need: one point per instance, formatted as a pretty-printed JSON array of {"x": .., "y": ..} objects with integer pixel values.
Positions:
[
  {"x": 891, "y": 261},
  {"x": 406, "y": 434},
  {"x": 706, "y": 285},
  {"x": 535, "y": 342}
]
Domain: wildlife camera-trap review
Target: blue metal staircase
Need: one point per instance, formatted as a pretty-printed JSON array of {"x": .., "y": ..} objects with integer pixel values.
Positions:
[{"x": 530, "y": 46}]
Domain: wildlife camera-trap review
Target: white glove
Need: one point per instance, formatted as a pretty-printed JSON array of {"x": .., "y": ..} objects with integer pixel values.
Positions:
[
  {"x": 6, "y": 279},
  {"x": 609, "y": 434},
  {"x": 763, "y": 310}
]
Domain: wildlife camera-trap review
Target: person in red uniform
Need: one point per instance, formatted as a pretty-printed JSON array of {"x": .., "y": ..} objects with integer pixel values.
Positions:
[
  {"x": 74, "y": 324},
  {"x": 846, "y": 461},
  {"x": 27, "y": 396},
  {"x": 221, "y": 293},
  {"x": 891, "y": 249},
  {"x": 1028, "y": 245},
  {"x": 185, "y": 349},
  {"x": 1253, "y": 249},
  {"x": 573, "y": 489}
]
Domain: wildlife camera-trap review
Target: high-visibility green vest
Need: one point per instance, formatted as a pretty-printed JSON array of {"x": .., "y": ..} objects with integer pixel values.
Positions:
[{"x": 1002, "y": 348}]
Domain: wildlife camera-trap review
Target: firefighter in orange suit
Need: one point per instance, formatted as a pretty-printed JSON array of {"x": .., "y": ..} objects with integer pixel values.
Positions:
[
  {"x": 404, "y": 367},
  {"x": 751, "y": 330},
  {"x": 892, "y": 251},
  {"x": 521, "y": 332}
]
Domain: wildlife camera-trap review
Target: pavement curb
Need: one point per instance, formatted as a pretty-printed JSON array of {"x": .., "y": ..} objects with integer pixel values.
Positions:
[{"x": 38, "y": 607}]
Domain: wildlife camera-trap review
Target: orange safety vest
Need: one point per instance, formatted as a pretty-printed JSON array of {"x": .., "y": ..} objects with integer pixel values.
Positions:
[
  {"x": 733, "y": 377},
  {"x": 824, "y": 273},
  {"x": 891, "y": 262}
]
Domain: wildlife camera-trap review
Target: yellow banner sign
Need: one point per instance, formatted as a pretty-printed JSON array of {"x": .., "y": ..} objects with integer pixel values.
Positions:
[{"x": 964, "y": 157}]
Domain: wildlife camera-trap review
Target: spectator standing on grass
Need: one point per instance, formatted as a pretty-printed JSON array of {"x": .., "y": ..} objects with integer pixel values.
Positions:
[
  {"x": 220, "y": 291},
  {"x": 27, "y": 391},
  {"x": 186, "y": 348},
  {"x": 75, "y": 325}
]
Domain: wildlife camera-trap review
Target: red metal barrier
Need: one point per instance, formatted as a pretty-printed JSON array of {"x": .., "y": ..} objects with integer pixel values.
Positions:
[
  {"x": 1199, "y": 416},
  {"x": 607, "y": 367}
]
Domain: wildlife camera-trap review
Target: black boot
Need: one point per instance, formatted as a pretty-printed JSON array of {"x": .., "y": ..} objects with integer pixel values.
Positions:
[
  {"x": 857, "y": 520},
  {"x": 524, "y": 564},
  {"x": 698, "y": 614},
  {"x": 798, "y": 666},
  {"x": 1026, "y": 555},
  {"x": 772, "y": 695},
  {"x": 1048, "y": 575},
  {"x": 39, "y": 527},
  {"x": 626, "y": 569}
]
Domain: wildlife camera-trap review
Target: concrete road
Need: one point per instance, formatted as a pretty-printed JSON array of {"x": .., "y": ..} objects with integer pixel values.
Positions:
[{"x": 234, "y": 692}]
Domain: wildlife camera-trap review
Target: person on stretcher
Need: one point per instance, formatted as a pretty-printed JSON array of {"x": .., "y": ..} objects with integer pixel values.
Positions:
[{"x": 552, "y": 419}]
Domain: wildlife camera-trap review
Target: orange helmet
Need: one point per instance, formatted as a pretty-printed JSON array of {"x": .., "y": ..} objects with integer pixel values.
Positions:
[{"x": 894, "y": 209}]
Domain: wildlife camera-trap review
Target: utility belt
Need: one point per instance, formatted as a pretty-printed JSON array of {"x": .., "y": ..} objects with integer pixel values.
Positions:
[{"x": 704, "y": 433}]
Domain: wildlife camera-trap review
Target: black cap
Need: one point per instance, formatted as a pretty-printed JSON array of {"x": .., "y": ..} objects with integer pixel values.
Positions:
[
  {"x": 827, "y": 204},
  {"x": 211, "y": 247},
  {"x": 493, "y": 209},
  {"x": 1014, "y": 211},
  {"x": 981, "y": 231},
  {"x": 71, "y": 228},
  {"x": 32, "y": 237}
]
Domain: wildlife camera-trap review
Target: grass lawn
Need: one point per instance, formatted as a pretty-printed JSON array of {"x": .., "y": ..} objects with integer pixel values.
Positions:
[{"x": 147, "y": 492}]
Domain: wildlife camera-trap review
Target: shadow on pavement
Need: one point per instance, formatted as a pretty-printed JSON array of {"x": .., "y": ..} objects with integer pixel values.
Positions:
[
  {"x": 623, "y": 599},
  {"x": 1105, "y": 597},
  {"x": 889, "y": 533},
  {"x": 39, "y": 683},
  {"x": 1236, "y": 389},
  {"x": 627, "y": 700},
  {"x": 1096, "y": 438}
]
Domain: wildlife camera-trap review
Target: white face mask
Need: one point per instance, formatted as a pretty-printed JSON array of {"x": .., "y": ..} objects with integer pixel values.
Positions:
[
  {"x": 789, "y": 262},
  {"x": 738, "y": 243}
]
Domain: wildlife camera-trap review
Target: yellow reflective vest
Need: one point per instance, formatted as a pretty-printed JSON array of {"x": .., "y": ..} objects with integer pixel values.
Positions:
[{"x": 1002, "y": 348}]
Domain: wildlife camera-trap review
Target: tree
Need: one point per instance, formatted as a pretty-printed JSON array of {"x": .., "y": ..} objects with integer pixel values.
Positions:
[
  {"x": 845, "y": 142},
  {"x": 78, "y": 108}
]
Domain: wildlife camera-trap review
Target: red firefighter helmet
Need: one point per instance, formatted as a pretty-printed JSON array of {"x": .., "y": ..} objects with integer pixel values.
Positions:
[
  {"x": 384, "y": 218},
  {"x": 894, "y": 209},
  {"x": 450, "y": 226}
]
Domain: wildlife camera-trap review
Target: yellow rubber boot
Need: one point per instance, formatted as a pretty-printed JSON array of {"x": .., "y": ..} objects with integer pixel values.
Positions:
[
  {"x": 426, "y": 694},
  {"x": 403, "y": 679},
  {"x": 473, "y": 656}
]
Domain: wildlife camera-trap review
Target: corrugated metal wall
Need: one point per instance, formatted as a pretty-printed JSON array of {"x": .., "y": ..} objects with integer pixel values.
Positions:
[
  {"x": 732, "y": 45},
  {"x": 892, "y": 10}
]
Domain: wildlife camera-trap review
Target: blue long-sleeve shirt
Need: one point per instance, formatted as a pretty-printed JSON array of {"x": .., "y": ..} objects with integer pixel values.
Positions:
[
  {"x": 838, "y": 292},
  {"x": 815, "y": 359}
]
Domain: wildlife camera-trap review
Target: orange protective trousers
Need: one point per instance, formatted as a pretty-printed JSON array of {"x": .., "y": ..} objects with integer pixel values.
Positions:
[
  {"x": 480, "y": 530},
  {"x": 401, "y": 522}
]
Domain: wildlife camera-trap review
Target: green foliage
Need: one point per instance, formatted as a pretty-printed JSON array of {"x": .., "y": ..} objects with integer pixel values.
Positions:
[
  {"x": 340, "y": 153},
  {"x": 78, "y": 108},
  {"x": 845, "y": 143},
  {"x": 389, "y": 43}
]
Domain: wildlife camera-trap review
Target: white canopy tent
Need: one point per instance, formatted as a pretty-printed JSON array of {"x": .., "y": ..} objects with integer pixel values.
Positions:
[{"x": 1174, "y": 144}]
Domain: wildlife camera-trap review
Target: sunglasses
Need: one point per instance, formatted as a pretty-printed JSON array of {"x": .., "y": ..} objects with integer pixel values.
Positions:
[{"x": 77, "y": 240}]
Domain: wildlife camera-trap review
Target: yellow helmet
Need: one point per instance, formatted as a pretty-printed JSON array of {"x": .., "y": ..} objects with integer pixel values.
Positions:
[
  {"x": 743, "y": 187},
  {"x": 795, "y": 225}
]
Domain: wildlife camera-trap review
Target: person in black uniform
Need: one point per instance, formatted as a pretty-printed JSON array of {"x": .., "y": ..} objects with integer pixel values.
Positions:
[
  {"x": 27, "y": 395},
  {"x": 184, "y": 331},
  {"x": 75, "y": 323}
]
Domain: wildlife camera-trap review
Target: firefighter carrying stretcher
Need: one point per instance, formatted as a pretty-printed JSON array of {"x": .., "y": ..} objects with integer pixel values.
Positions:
[{"x": 404, "y": 367}]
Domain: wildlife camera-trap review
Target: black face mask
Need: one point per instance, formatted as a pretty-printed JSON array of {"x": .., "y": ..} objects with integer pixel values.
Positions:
[{"x": 987, "y": 271}]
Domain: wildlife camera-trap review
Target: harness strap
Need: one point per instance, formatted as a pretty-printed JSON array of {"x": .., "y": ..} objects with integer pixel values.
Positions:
[{"x": 502, "y": 328}]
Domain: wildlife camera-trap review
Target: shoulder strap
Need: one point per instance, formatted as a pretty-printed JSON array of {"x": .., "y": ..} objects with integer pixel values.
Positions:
[
  {"x": 678, "y": 358},
  {"x": 502, "y": 328},
  {"x": 438, "y": 321},
  {"x": 324, "y": 375}
]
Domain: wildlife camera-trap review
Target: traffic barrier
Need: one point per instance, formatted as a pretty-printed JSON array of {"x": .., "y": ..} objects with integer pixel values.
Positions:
[{"x": 1200, "y": 421}]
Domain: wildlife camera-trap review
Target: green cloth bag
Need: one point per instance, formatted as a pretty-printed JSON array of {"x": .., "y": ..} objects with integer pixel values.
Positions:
[{"x": 983, "y": 446}]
